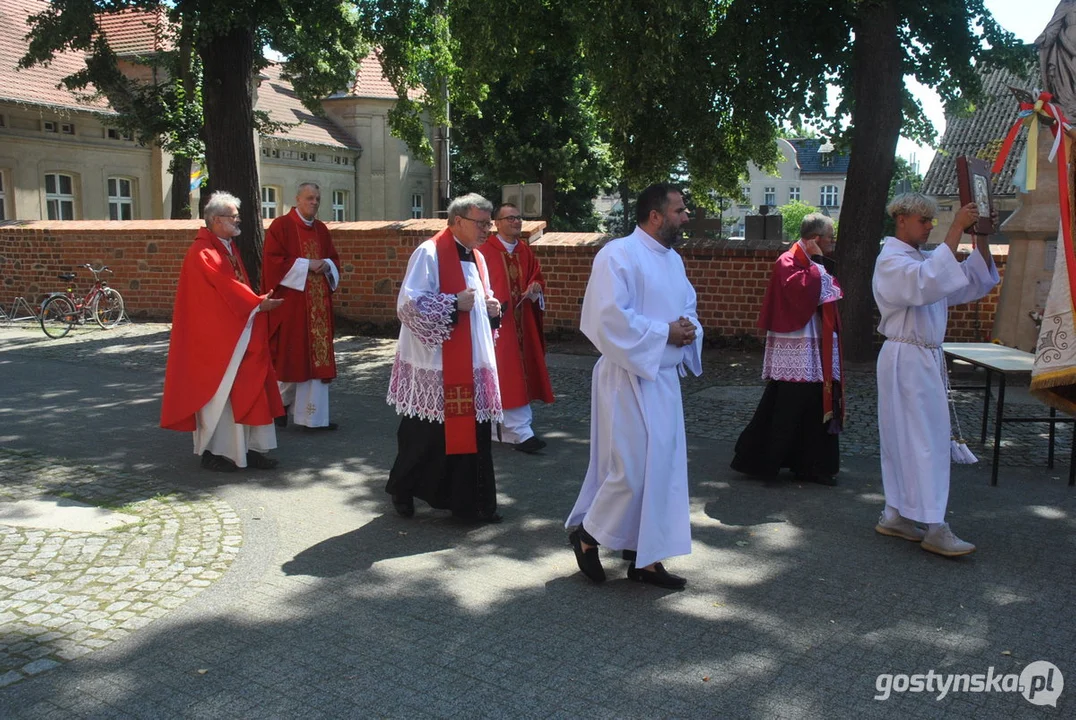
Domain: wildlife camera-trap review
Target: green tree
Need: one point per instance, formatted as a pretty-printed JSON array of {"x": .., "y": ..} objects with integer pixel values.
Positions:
[
  {"x": 320, "y": 39},
  {"x": 538, "y": 124},
  {"x": 906, "y": 178},
  {"x": 798, "y": 48},
  {"x": 792, "y": 215},
  {"x": 660, "y": 85}
]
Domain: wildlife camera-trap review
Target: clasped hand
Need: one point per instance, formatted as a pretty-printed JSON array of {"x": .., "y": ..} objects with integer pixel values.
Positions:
[
  {"x": 681, "y": 332},
  {"x": 465, "y": 301}
]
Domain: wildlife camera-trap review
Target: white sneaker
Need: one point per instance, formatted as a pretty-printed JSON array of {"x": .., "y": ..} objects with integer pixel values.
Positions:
[
  {"x": 900, "y": 527},
  {"x": 942, "y": 541}
]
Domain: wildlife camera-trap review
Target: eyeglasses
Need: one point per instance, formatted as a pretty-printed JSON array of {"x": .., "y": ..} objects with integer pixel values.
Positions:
[
  {"x": 512, "y": 218},
  {"x": 230, "y": 217},
  {"x": 482, "y": 224}
]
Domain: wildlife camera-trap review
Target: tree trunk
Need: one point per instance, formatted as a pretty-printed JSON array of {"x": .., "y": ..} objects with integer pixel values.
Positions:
[
  {"x": 181, "y": 188},
  {"x": 878, "y": 86},
  {"x": 181, "y": 165},
  {"x": 227, "y": 87}
]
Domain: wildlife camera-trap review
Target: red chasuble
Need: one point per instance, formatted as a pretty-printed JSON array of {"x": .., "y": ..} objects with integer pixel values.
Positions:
[
  {"x": 790, "y": 302},
  {"x": 300, "y": 330},
  {"x": 521, "y": 368},
  {"x": 213, "y": 302}
]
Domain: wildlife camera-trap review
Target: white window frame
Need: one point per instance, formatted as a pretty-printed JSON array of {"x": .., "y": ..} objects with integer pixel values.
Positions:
[
  {"x": 50, "y": 126},
  {"x": 417, "y": 206},
  {"x": 340, "y": 205},
  {"x": 829, "y": 192},
  {"x": 117, "y": 201},
  {"x": 746, "y": 202},
  {"x": 793, "y": 193},
  {"x": 270, "y": 207},
  {"x": 769, "y": 195},
  {"x": 57, "y": 200},
  {"x": 3, "y": 196}
]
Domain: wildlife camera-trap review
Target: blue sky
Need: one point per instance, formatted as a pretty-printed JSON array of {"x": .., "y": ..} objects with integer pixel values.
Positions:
[{"x": 1025, "y": 18}]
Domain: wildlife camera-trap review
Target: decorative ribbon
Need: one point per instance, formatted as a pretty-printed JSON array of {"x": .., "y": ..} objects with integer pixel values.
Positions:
[{"x": 1028, "y": 115}]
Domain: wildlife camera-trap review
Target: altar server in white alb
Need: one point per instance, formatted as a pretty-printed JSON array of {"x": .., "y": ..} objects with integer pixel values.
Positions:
[
  {"x": 639, "y": 311},
  {"x": 914, "y": 290}
]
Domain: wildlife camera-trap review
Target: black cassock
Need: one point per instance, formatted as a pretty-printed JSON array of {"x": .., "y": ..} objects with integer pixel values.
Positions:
[
  {"x": 787, "y": 432},
  {"x": 463, "y": 484}
]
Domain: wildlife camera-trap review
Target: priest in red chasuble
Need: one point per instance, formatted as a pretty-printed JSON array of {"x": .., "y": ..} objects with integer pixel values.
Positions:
[
  {"x": 517, "y": 282},
  {"x": 444, "y": 377},
  {"x": 219, "y": 381},
  {"x": 302, "y": 268},
  {"x": 802, "y": 409}
]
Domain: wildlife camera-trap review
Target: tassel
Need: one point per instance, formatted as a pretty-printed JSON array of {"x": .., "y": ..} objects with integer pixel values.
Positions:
[{"x": 959, "y": 452}]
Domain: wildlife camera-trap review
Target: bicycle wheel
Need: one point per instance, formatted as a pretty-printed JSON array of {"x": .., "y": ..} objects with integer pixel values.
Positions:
[
  {"x": 58, "y": 314},
  {"x": 107, "y": 307}
]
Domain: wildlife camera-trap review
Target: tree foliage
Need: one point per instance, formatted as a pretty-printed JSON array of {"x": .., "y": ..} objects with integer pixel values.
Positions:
[
  {"x": 538, "y": 127},
  {"x": 792, "y": 215},
  {"x": 798, "y": 48}
]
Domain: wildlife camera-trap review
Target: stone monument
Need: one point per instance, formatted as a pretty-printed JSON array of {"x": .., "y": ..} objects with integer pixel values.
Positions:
[{"x": 1032, "y": 229}]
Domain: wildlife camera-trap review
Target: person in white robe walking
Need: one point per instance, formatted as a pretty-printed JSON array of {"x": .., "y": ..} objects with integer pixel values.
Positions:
[
  {"x": 639, "y": 311},
  {"x": 914, "y": 290}
]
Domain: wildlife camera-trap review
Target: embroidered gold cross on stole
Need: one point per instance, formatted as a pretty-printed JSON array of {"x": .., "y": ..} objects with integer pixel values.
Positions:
[{"x": 459, "y": 401}]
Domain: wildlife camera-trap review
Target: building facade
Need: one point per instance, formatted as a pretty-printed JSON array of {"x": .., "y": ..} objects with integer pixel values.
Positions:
[
  {"x": 63, "y": 158},
  {"x": 807, "y": 170}
]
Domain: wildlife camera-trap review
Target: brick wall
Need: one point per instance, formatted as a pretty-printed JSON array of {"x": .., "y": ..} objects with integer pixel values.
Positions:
[{"x": 730, "y": 277}]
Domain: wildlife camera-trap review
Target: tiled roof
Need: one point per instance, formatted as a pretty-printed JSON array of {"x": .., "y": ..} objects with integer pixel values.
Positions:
[
  {"x": 370, "y": 81},
  {"x": 981, "y": 134},
  {"x": 277, "y": 97},
  {"x": 810, "y": 160},
  {"x": 136, "y": 32},
  {"x": 39, "y": 85}
]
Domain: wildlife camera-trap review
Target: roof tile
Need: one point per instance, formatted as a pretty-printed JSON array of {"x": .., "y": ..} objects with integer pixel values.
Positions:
[{"x": 981, "y": 134}]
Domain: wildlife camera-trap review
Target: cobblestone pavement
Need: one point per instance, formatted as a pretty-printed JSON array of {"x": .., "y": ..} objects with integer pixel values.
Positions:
[
  {"x": 332, "y": 606},
  {"x": 64, "y": 594}
]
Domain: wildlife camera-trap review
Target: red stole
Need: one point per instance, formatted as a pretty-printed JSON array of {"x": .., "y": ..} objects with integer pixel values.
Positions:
[
  {"x": 831, "y": 323},
  {"x": 457, "y": 360}
]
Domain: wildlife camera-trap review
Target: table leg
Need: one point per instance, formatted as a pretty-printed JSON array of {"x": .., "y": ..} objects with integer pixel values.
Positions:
[
  {"x": 1050, "y": 452},
  {"x": 986, "y": 405},
  {"x": 997, "y": 428},
  {"x": 1072, "y": 458}
]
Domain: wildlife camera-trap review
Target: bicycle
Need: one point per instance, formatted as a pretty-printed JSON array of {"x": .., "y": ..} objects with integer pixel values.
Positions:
[{"x": 61, "y": 311}]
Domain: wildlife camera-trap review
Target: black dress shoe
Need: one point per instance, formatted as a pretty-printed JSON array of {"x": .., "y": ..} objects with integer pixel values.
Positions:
[
  {"x": 217, "y": 463},
  {"x": 589, "y": 562},
  {"x": 282, "y": 421},
  {"x": 531, "y": 445},
  {"x": 322, "y": 428},
  {"x": 405, "y": 506},
  {"x": 827, "y": 480},
  {"x": 258, "y": 461},
  {"x": 659, "y": 576}
]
